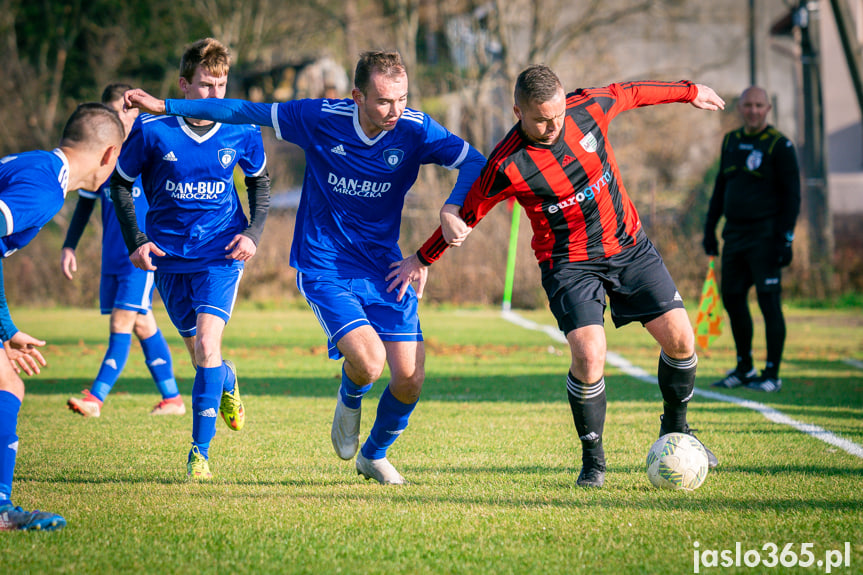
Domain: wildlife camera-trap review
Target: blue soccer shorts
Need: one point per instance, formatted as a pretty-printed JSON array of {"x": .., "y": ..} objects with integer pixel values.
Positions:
[
  {"x": 342, "y": 305},
  {"x": 212, "y": 290},
  {"x": 636, "y": 282},
  {"x": 130, "y": 291}
]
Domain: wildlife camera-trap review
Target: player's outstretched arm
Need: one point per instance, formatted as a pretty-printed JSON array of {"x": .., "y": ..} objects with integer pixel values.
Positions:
[
  {"x": 406, "y": 271},
  {"x": 22, "y": 351},
  {"x": 140, "y": 99},
  {"x": 707, "y": 99}
]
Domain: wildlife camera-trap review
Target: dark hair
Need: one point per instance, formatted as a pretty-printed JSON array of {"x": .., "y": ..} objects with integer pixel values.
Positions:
[
  {"x": 93, "y": 124},
  {"x": 208, "y": 53},
  {"x": 537, "y": 83},
  {"x": 386, "y": 63},
  {"x": 114, "y": 92}
]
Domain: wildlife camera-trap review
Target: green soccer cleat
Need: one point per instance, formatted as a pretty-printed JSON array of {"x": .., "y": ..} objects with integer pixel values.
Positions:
[
  {"x": 16, "y": 519},
  {"x": 198, "y": 468},
  {"x": 231, "y": 408}
]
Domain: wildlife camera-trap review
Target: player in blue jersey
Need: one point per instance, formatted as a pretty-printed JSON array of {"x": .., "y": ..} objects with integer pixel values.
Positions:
[
  {"x": 33, "y": 186},
  {"x": 362, "y": 156},
  {"x": 126, "y": 293},
  {"x": 198, "y": 237}
]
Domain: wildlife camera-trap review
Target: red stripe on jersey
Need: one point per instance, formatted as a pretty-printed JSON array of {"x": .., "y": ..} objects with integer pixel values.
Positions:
[
  {"x": 595, "y": 172},
  {"x": 625, "y": 214}
]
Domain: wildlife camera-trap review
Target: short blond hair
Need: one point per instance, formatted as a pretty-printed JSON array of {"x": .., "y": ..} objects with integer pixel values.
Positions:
[{"x": 209, "y": 54}]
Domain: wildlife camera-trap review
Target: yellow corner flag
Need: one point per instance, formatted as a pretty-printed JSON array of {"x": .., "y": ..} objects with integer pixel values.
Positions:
[{"x": 708, "y": 325}]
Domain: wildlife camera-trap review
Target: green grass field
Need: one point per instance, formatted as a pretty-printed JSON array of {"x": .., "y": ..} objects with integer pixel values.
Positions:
[{"x": 491, "y": 456}]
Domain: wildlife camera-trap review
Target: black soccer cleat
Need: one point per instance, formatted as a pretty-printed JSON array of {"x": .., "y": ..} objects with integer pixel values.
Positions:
[
  {"x": 712, "y": 461},
  {"x": 592, "y": 473}
]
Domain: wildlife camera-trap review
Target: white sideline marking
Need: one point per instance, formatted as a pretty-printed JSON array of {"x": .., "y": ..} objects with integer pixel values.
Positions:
[
  {"x": 774, "y": 415},
  {"x": 853, "y": 362}
]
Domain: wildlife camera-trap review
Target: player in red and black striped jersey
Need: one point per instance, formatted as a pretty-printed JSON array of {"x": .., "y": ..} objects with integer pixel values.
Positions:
[{"x": 559, "y": 165}]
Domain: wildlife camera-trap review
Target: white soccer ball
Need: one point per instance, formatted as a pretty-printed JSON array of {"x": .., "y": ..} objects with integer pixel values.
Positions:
[{"x": 677, "y": 461}]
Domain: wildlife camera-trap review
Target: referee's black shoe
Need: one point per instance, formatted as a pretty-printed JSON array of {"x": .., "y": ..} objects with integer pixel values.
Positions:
[{"x": 712, "y": 461}]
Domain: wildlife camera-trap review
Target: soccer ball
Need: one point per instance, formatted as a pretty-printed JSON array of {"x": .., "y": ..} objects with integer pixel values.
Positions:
[{"x": 677, "y": 461}]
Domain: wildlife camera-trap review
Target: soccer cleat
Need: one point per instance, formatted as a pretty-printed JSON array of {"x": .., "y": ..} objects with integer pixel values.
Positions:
[
  {"x": 591, "y": 476},
  {"x": 735, "y": 378},
  {"x": 198, "y": 468},
  {"x": 380, "y": 470},
  {"x": 766, "y": 383},
  {"x": 88, "y": 406},
  {"x": 712, "y": 461},
  {"x": 231, "y": 407},
  {"x": 170, "y": 406},
  {"x": 16, "y": 519},
  {"x": 346, "y": 429}
]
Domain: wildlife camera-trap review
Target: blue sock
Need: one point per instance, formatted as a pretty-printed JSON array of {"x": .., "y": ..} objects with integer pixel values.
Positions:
[
  {"x": 391, "y": 420},
  {"x": 9, "y": 408},
  {"x": 112, "y": 364},
  {"x": 206, "y": 397},
  {"x": 158, "y": 358},
  {"x": 351, "y": 393},
  {"x": 230, "y": 381}
]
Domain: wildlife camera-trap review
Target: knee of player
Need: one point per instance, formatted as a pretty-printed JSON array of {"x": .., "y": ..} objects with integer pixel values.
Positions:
[{"x": 11, "y": 382}]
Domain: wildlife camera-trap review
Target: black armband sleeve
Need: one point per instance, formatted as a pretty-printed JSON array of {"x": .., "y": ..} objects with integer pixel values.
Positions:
[
  {"x": 80, "y": 217},
  {"x": 124, "y": 206},
  {"x": 258, "y": 188}
]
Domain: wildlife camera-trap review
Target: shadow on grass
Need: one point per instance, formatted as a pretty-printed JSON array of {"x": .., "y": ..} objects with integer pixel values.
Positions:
[
  {"x": 841, "y": 397},
  {"x": 513, "y": 493}
]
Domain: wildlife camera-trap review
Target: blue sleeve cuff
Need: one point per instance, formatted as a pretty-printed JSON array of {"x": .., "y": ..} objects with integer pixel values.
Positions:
[{"x": 468, "y": 171}]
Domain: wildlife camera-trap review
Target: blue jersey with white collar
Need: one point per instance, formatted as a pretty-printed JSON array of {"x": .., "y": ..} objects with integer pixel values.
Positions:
[
  {"x": 33, "y": 186},
  {"x": 188, "y": 181},
  {"x": 115, "y": 257},
  {"x": 354, "y": 187}
]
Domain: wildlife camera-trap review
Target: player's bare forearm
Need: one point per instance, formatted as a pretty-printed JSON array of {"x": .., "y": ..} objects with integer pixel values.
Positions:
[
  {"x": 404, "y": 272},
  {"x": 453, "y": 227},
  {"x": 140, "y": 99}
]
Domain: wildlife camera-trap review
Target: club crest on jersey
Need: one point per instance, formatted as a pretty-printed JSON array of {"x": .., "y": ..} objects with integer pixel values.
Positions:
[
  {"x": 393, "y": 158},
  {"x": 589, "y": 143},
  {"x": 227, "y": 156},
  {"x": 753, "y": 160}
]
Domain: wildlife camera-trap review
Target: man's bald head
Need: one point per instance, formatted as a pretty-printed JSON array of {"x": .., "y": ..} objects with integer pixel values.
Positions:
[{"x": 754, "y": 106}]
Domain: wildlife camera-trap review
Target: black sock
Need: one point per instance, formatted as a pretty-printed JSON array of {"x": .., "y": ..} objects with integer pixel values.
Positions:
[
  {"x": 676, "y": 382},
  {"x": 587, "y": 402}
]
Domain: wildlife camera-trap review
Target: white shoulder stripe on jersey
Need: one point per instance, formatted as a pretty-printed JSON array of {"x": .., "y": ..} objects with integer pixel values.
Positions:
[
  {"x": 124, "y": 175},
  {"x": 413, "y": 115},
  {"x": 259, "y": 172},
  {"x": 340, "y": 108},
  {"x": 148, "y": 118},
  {"x": 274, "y": 117},
  {"x": 461, "y": 157},
  {"x": 7, "y": 216}
]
